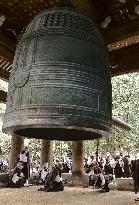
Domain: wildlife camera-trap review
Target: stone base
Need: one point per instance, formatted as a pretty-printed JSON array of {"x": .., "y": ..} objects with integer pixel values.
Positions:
[
  {"x": 4, "y": 177},
  {"x": 68, "y": 179},
  {"x": 125, "y": 184}
]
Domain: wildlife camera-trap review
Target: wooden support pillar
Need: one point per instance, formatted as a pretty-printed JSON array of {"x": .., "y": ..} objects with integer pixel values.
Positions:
[
  {"x": 17, "y": 145},
  {"x": 47, "y": 152},
  {"x": 78, "y": 162}
]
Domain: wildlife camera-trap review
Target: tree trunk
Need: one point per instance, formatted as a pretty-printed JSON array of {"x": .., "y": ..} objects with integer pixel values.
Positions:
[
  {"x": 17, "y": 145},
  {"x": 46, "y": 152}
]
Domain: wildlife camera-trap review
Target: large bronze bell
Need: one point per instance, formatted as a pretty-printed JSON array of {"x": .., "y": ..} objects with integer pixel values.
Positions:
[{"x": 60, "y": 86}]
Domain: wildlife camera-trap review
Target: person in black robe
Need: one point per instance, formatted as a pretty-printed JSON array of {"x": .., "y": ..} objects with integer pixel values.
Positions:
[
  {"x": 1, "y": 165},
  {"x": 25, "y": 159},
  {"x": 16, "y": 178},
  {"x": 126, "y": 167},
  {"x": 107, "y": 168},
  {"x": 100, "y": 180},
  {"x": 136, "y": 177},
  {"x": 119, "y": 168},
  {"x": 53, "y": 181}
]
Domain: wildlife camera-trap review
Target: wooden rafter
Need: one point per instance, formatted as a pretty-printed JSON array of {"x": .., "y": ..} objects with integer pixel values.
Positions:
[
  {"x": 4, "y": 75},
  {"x": 5, "y": 66},
  {"x": 121, "y": 60},
  {"x": 114, "y": 34},
  {"x": 3, "y": 96},
  {"x": 125, "y": 60},
  {"x": 7, "y": 48}
]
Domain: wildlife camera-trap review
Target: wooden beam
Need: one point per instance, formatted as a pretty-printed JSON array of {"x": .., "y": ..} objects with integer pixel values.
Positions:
[
  {"x": 78, "y": 162},
  {"x": 119, "y": 123},
  {"x": 88, "y": 8},
  {"x": 7, "y": 48},
  {"x": 2, "y": 19},
  {"x": 125, "y": 60},
  {"x": 4, "y": 75},
  {"x": 113, "y": 34},
  {"x": 46, "y": 152},
  {"x": 3, "y": 96},
  {"x": 17, "y": 145}
]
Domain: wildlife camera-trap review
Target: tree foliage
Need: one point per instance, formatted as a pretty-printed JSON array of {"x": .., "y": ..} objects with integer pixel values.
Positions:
[
  {"x": 126, "y": 107},
  {"x": 125, "y": 95},
  {"x": 5, "y": 146}
]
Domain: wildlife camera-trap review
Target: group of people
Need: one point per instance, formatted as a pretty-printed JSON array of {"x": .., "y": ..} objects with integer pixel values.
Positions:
[
  {"x": 51, "y": 179},
  {"x": 119, "y": 165},
  {"x": 101, "y": 170}
]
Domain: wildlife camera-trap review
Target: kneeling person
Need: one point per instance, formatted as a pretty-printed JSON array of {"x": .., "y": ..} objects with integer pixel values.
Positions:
[
  {"x": 17, "y": 177},
  {"x": 53, "y": 181}
]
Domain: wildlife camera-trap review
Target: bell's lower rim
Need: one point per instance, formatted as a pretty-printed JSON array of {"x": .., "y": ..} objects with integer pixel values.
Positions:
[{"x": 61, "y": 133}]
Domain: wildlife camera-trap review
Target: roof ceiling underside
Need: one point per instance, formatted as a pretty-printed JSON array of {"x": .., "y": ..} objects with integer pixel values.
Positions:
[
  {"x": 118, "y": 21},
  {"x": 19, "y": 13}
]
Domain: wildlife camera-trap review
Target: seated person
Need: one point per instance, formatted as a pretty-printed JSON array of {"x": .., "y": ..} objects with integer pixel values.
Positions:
[
  {"x": 53, "y": 181},
  {"x": 43, "y": 173},
  {"x": 99, "y": 180},
  {"x": 17, "y": 178},
  {"x": 92, "y": 177}
]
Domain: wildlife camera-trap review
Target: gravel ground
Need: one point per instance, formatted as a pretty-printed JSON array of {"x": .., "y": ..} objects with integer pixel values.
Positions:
[{"x": 70, "y": 196}]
